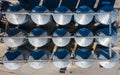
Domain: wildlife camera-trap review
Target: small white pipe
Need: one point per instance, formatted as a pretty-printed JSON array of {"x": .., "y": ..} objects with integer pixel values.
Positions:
[
  {"x": 41, "y": 2},
  {"x": 96, "y": 3},
  {"x": 78, "y": 2},
  {"x": 60, "y": 3}
]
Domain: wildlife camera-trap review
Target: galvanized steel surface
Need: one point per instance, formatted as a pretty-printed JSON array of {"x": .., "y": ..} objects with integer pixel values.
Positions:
[
  {"x": 38, "y": 55},
  {"x": 61, "y": 53},
  {"x": 38, "y": 42},
  {"x": 83, "y": 54},
  {"x": 104, "y": 54},
  {"x": 16, "y": 19},
  {"x": 61, "y": 42},
  {"x": 107, "y": 18},
  {"x": 106, "y": 41},
  {"x": 84, "y": 41},
  {"x": 14, "y": 42},
  {"x": 62, "y": 19},
  {"x": 83, "y": 19},
  {"x": 11, "y": 56},
  {"x": 39, "y": 18}
]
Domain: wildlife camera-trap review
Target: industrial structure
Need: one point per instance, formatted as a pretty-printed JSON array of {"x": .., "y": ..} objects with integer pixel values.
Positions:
[{"x": 40, "y": 35}]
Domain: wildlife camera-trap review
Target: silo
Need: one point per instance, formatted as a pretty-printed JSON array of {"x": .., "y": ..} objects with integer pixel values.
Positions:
[
  {"x": 39, "y": 54},
  {"x": 109, "y": 15},
  {"x": 40, "y": 19},
  {"x": 61, "y": 32},
  {"x": 16, "y": 19},
  {"x": 104, "y": 54},
  {"x": 82, "y": 54},
  {"x": 38, "y": 42},
  {"x": 14, "y": 42},
  {"x": 13, "y": 55},
  {"x": 84, "y": 32},
  {"x": 106, "y": 40},
  {"x": 82, "y": 15},
  {"x": 61, "y": 18},
  {"x": 59, "y": 55}
]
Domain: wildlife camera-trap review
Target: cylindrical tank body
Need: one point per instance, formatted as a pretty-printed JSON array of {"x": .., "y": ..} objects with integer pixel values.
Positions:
[
  {"x": 83, "y": 19},
  {"x": 106, "y": 18},
  {"x": 40, "y": 19},
  {"x": 13, "y": 55},
  {"x": 60, "y": 54},
  {"x": 39, "y": 54},
  {"x": 61, "y": 18},
  {"x": 106, "y": 40},
  {"x": 104, "y": 54},
  {"x": 38, "y": 42},
  {"x": 61, "y": 32},
  {"x": 14, "y": 42},
  {"x": 84, "y": 41},
  {"x": 16, "y": 19},
  {"x": 83, "y": 54}
]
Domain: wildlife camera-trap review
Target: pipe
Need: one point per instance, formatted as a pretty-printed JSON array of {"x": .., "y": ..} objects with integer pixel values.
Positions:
[
  {"x": 41, "y": 2},
  {"x": 74, "y": 49},
  {"x": 54, "y": 50},
  {"x": 60, "y": 2},
  {"x": 78, "y": 2}
]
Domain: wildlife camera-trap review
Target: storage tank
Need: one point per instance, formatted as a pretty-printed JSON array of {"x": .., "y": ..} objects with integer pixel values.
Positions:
[
  {"x": 82, "y": 54},
  {"x": 104, "y": 54},
  {"x": 61, "y": 53},
  {"x": 84, "y": 32},
  {"x": 13, "y": 55},
  {"x": 39, "y": 54},
  {"x": 40, "y": 19},
  {"x": 82, "y": 15},
  {"x": 106, "y": 18},
  {"x": 38, "y": 42},
  {"x": 61, "y": 42},
  {"x": 106, "y": 40},
  {"x": 16, "y": 19},
  {"x": 14, "y": 42},
  {"x": 61, "y": 18}
]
